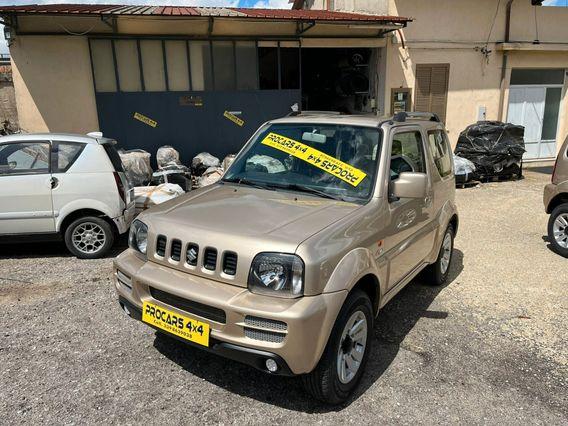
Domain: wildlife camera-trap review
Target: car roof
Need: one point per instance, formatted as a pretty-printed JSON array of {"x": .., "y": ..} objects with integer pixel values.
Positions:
[
  {"x": 366, "y": 120},
  {"x": 67, "y": 137}
]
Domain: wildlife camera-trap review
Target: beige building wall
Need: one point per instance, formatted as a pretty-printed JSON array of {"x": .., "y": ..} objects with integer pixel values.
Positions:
[
  {"x": 475, "y": 76},
  {"x": 457, "y": 32},
  {"x": 53, "y": 83}
]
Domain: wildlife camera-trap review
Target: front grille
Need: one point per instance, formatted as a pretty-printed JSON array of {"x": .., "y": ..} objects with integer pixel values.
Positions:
[
  {"x": 161, "y": 245},
  {"x": 265, "y": 323},
  {"x": 210, "y": 259},
  {"x": 230, "y": 263},
  {"x": 205, "y": 311},
  {"x": 176, "y": 250},
  {"x": 191, "y": 254},
  {"x": 265, "y": 336}
]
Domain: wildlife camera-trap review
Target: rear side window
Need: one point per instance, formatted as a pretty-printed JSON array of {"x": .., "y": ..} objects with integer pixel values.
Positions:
[
  {"x": 441, "y": 152},
  {"x": 65, "y": 154},
  {"x": 113, "y": 156},
  {"x": 407, "y": 154},
  {"x": 24, "y": 158}
]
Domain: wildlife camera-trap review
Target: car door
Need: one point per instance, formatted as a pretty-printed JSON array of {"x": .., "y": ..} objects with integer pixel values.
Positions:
[
  {"x": 25, "y": 188},
  {"x": 410, "y": 237}
]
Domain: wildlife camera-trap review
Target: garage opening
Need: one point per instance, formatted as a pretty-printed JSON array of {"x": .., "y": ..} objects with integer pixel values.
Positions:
[{"x": 337, "y": 79}]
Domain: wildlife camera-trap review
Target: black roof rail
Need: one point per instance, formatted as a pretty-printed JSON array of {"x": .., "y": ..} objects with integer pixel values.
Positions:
[{"x": 402, "y": 116}]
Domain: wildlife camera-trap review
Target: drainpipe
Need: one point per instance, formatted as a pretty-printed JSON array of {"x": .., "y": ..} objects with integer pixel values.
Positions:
[{"x": 505, "y": 60}]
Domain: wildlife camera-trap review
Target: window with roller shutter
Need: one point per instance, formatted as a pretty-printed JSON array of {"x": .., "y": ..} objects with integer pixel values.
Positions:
[{"x": 431, "y": 93}]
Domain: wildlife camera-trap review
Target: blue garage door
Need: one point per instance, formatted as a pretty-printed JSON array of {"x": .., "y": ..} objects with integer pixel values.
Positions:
[{"x": 193, "y": 95}]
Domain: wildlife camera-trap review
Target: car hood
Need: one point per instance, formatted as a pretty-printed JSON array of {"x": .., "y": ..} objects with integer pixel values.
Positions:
[
  {"x": 229, "y": 209},
  {"x": 241, "y": 220}
]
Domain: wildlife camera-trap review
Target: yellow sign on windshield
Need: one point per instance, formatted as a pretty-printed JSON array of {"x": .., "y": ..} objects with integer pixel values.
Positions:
[{"x": 321, "y": 160}]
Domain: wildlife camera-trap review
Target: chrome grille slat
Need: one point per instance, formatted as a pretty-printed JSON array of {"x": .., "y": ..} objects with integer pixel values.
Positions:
[
  {"x": 175, "y": 253},
  {"x": 210, "y": 259},
  {"x": 161, "y": 245},
  {"x": 230, "y": 263}
]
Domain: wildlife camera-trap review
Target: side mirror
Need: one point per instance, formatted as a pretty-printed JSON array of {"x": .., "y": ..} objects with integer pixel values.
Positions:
[{"x": 410, "y": 185}]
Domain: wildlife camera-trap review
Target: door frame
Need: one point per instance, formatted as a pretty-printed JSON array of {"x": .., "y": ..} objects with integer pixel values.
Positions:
[{"x": 560, "y": 111}]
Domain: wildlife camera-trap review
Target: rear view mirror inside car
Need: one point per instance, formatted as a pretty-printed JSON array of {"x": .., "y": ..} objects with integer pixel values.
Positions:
[{"x": 314, "y": 137}]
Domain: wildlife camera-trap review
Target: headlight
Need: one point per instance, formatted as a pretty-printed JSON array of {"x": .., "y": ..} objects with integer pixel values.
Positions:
[
  {"x": 277, "y": 274},
  {"x": 138, "y": 237}
]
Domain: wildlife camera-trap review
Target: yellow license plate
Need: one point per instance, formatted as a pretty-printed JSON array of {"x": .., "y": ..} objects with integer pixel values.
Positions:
[{"x": 181, "y": 325}]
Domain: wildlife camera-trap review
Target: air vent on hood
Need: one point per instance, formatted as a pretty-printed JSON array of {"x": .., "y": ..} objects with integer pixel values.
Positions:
[
  {"x": 176, "y": 250},
  {"x": 210, "y": 259},
  {"x": 230, "y": 263},
  {"x": 161, "y": 245}
]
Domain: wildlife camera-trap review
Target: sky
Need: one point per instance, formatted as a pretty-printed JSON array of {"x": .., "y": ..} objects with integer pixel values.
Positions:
[{"x": 282, "y": 4}]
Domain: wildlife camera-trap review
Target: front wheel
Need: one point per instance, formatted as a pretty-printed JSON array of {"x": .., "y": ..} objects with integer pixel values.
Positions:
[
  {"x": 437, "y": 273},
  {"x": 89, "y": 237},
  {"x": 558, "y": 229},
  {"x": 345, "y": 356}
]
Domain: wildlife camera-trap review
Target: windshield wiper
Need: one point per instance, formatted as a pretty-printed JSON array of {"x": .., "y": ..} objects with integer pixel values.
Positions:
[
  {"x": 243, "y": 181},
  {"x": 309, "y": 190}
]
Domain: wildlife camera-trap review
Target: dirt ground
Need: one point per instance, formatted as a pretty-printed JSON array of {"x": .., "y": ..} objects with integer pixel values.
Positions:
[{"x": 491, "y": 347}]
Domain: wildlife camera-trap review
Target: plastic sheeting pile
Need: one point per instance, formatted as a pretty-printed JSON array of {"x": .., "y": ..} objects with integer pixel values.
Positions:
[
  {"x": 136, "y": 163},
  {"x": 495, "y": 148},
  {"x": 170, "y": 169},
  {"x": 148, "y": 196},
  {"x": 464, "y": 169}
]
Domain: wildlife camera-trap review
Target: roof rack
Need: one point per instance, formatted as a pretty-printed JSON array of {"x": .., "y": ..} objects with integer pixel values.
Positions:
[{"x": 402, "y": 116}]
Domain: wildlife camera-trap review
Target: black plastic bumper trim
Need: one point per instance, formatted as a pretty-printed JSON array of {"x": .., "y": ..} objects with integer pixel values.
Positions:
[{"x": 253, "y": 357}]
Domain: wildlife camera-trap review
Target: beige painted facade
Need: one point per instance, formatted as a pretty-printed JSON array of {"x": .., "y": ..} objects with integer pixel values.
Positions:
[
  {"x": 54, "y": 84},
  {"x": 454, "y": 32},
  {"x": 55, "y": 92}
]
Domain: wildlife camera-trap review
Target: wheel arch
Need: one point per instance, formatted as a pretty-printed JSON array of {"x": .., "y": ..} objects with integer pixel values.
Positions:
[
  {"x": 557, "y": 201},
  {"x": 76, "y": 214}
]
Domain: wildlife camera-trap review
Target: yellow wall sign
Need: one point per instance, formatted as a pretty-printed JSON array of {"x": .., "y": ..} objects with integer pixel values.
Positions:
[
  {"x": 145, "y": 120},
  {"x": 238, "y": 121},
  {"x": 321, "y": 160}
]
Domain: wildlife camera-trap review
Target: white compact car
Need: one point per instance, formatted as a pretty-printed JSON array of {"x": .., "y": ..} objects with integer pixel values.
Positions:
[{"x": 64, "y": 186}]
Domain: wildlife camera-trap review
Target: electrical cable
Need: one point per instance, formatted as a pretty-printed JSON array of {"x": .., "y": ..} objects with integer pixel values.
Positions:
[
  {"x": 77, "y": 34},
  {"x": 492, "y": 24}
]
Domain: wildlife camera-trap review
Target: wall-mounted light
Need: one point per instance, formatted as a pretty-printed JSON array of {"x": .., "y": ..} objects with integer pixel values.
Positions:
[{"x": 9, "y": 34}]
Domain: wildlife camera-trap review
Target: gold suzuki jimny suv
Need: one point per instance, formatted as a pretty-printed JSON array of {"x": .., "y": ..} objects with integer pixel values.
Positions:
[{"x": 284, "y": 264}]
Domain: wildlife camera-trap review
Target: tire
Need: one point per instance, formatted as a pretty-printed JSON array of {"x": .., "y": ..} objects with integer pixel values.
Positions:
[
  {"x": 97, "y": 237},
  {"x": 437, "y": 273},
  {"x": 558, "y": 223},
  {"x": 324, "y": 382}
]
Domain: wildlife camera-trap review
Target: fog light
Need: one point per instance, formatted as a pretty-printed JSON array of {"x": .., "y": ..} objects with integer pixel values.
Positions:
[{"x": 271, "y": 365}]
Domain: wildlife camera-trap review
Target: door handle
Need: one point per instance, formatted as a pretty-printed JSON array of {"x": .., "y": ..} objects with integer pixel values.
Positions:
[{"x": 54, "y": 182}]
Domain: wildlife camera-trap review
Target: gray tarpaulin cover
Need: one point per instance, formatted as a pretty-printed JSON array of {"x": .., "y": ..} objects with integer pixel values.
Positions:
[{"x": 137, "y": 167}]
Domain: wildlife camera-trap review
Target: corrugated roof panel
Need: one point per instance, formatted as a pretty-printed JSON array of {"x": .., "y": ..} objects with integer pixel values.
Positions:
[{"x": 277, "y": 14}]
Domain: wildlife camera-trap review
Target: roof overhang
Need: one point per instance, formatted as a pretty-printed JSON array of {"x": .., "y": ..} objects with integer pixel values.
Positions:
[{"x": 204, "y": 22}]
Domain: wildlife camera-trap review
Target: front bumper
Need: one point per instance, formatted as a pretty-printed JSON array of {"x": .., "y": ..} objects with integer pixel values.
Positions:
[
  {"x": 308, "y": 320},
  {"x": 123, "y": 222},
  {"x": 253, "y": 357}
]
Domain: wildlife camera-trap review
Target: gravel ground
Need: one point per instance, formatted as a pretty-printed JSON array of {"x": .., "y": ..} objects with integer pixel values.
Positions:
[{"x": 489, "y": 347}]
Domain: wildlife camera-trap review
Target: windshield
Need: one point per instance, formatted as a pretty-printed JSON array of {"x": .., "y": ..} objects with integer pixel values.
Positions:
[{"x": 328, "y": 160}]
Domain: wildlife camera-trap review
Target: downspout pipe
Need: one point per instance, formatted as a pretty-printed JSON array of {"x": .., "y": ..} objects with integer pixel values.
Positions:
[{"x": 505, "y": 60}]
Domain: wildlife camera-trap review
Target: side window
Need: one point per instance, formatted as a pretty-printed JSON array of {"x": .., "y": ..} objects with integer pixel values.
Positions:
[
  {"x": 407, "y": 154},
  {"x": 64, "y": 155},
  {"x": 24, "y": 158},
  {"x": 441, "y": 152}
]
